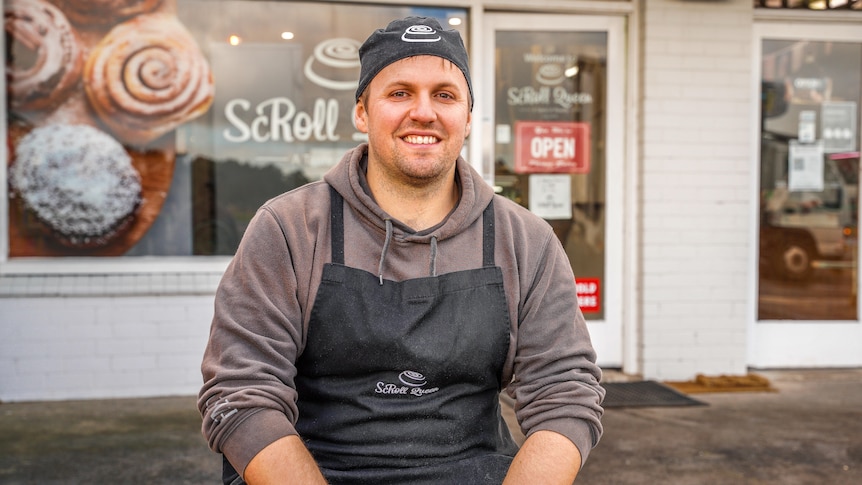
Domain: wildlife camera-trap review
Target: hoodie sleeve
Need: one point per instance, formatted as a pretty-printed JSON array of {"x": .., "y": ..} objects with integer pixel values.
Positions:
[
  {"x": 556, "y": 380},
  {"x": 248, "y": 399}
]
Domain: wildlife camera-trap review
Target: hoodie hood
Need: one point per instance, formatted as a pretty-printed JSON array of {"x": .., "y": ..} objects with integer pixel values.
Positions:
[{"x": 348, "y": 179}]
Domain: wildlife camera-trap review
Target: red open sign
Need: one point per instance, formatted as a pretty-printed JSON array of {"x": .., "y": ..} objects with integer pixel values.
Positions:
[{"x": 552, "y": 147}]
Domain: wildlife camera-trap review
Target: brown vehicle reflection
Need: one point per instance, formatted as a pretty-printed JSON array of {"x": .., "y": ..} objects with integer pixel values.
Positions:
[
  {"x": 809, "y": 251},
  {"x": 828, "y": 294}
]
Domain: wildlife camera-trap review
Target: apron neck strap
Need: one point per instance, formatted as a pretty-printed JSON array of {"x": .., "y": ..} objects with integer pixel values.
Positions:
[
  {"x": 336, "y": 225},
  {"x": 488, "y": 235}
]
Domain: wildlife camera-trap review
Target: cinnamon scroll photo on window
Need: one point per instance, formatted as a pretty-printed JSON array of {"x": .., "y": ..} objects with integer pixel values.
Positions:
[{"x": 95, "y": 90}]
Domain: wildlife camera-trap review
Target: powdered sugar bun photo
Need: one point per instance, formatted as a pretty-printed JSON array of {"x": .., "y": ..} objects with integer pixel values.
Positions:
[
  {"x": 45, "y": 55},
  {"x": 146, "y": 77},
  {"x": 101, "y": 12},
  {"x": 78, "y": 181}
]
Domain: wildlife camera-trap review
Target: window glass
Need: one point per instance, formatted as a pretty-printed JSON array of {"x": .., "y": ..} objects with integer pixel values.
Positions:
[
  {"x": 809, "y": 161},
  {"x": 159, "y": 129},
  {"x": 810, "y": 4},
  {"x": 550, "y": 127}
]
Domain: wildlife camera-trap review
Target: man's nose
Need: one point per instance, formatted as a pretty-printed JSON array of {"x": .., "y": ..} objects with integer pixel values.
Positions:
[{"x": 423, "y": 109}]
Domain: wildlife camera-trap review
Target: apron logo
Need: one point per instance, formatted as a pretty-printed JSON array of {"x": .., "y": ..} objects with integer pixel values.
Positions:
[
  {"x": 412, "y": 383},
  {"x": 412, "y": 379}
]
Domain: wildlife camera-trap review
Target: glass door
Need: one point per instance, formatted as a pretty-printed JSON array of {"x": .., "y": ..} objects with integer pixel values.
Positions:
[
  {"x": 807, "y": 301},
  {"x": 553, "y": 109}
]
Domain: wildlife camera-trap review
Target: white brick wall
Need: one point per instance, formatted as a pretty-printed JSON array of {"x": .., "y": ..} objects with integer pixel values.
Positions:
[
  {"x": 695, "y": 154},
  {"x": 99, "y": 347}
]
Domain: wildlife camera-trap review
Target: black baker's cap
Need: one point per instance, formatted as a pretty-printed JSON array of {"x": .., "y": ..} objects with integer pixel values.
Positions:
[{"x": 408, "y": 37}]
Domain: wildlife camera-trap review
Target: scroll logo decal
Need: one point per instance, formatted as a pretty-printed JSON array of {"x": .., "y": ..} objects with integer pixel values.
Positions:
[
  {"x": 420, "y": 33},
  {"x": 266, "y": 117},
  {"x": 341, "y": 54},
  {"x": 550, "y": 74},
  {"x": 410, "y": 383}
]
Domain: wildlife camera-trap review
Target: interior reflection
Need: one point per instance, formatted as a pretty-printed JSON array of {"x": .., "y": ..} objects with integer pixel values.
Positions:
[{"x": 809, "y": 166}]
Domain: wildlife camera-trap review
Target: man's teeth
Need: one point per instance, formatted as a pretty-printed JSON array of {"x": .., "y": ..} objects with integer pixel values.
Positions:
[{"x": 421, "y": 140}]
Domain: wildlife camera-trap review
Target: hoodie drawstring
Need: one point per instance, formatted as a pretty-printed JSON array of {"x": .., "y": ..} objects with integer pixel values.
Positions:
[
  {"x": 385, "y": 249},
  {"x": 433, "y": 265}
]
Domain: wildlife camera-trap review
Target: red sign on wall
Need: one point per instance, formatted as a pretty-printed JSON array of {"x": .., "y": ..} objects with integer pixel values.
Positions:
[
  {"x": 589, "y": 294},
  {"x": 552, "y": 147}
]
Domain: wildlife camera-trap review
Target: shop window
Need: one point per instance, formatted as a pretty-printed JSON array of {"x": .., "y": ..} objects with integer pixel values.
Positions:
[
  {"x": 159, "y": 129},
  {"x": 809, "y": 159},
  {"x": 549, "y": 152},
  {"x": 811, "y": 4}
]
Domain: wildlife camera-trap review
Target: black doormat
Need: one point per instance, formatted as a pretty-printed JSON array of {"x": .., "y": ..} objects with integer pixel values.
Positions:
[{"x": 644, "y": 393}]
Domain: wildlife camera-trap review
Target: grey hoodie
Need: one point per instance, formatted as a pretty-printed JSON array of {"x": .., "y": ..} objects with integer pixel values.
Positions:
[{"x": 264, "y": 300}]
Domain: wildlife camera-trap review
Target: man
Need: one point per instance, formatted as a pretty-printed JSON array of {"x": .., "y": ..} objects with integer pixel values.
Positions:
[{"x": 365, "y": 327}]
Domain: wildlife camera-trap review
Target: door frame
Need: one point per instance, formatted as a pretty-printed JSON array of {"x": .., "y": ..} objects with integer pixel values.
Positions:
[
  {"x": 795, "y": 343},
  {"x": 608, "y": 337}
]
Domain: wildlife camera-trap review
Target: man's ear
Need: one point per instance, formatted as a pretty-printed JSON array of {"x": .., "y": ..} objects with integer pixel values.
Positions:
[
  {"x": 469, "y": 124},
  {"x": 360, "y": 117}
]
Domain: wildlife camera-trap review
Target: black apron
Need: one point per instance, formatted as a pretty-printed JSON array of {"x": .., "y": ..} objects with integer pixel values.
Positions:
[{"x": 399, "y": 382}]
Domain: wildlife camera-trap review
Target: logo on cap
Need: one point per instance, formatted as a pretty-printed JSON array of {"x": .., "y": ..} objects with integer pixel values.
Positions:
[{"x": 420, "y": 33}]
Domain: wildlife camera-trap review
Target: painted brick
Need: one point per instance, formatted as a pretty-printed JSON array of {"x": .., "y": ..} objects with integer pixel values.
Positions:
[
  {"x": 170, "y": 379},
  {"x": 23, "y": 386},
  {"x": 179, "y": 361},
  {"x": 141, "y": 362},
  {"x": 182, "y": 328},
  {"x": 36, "y": 365},
  {"x": 99, "y": 347},
  {"x": 66, "y": 382},
  {"x": 695, "y": 209},
  {"x": 86, "y": 363}
]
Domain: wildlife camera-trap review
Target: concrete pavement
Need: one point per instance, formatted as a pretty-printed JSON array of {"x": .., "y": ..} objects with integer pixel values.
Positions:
[{"x": 809, "y": 432}]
